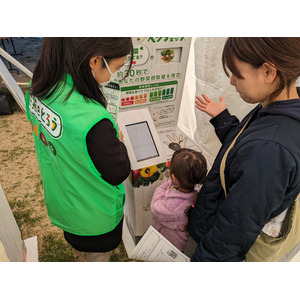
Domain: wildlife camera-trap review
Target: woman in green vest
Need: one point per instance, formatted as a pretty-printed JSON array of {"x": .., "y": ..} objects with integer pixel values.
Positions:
[{"x": 82, "y": 159}]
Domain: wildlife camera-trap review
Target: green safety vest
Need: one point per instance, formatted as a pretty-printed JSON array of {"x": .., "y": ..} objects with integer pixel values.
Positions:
[{"x": 78, "y": 200}]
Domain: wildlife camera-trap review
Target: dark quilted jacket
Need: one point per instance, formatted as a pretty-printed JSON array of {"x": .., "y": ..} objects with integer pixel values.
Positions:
[{"x": 262, "y": 175}]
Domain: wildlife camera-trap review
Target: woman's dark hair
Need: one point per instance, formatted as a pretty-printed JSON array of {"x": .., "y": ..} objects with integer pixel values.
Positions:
[
  {"x": 282, "y": 52},
  {"x": 189, "y": 167},
  {"x": 72, "y": 55}
]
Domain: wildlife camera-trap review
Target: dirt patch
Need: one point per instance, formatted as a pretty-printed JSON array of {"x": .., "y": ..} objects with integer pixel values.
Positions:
[{"x": 19, "y": 172}]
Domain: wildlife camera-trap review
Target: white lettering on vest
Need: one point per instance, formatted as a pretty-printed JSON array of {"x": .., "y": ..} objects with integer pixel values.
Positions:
[{"x": 48, "y": 118}]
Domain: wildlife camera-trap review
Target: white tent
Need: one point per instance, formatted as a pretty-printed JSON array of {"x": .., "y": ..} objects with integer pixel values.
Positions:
[{"x": 204, "y": 75}]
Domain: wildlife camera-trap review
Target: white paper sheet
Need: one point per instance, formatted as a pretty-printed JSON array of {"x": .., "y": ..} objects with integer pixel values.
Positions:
[{"x": 153, "y": 247}]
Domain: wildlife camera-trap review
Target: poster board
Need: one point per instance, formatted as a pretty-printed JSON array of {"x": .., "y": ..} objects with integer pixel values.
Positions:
[{"x": 156, "y": 78}]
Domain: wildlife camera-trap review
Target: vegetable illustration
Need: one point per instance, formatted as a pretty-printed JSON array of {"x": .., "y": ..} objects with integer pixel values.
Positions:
[
  {"x": 35, "y": 129},
  {"x": 168, "y": 164},
  {"x": 148, "y": 172},
  {"x": 167, "y": 55},
  {"x": 52, "y": 148},
  {"x": 148, "y": 175},
  {"x": 136, "y": 174},
  {"x": 43, "y": 138}
]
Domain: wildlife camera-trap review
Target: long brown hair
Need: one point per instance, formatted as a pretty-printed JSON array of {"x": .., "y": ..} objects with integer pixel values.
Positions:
[
  {"x": 189, "y": 167},
  {"x": 60, "y": 55},
  {"x": 282, "y": 52}
]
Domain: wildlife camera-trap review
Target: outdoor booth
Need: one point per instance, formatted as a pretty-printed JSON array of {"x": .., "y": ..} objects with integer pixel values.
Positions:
[
  {"x": 157, "y": 115},
  {"x": 148, "y": 116}
]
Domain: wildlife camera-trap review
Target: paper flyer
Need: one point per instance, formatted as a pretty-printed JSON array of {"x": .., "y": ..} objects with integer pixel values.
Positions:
[
  {"x": 154, "y": 247},
  {"x": 113, "y": 93}
]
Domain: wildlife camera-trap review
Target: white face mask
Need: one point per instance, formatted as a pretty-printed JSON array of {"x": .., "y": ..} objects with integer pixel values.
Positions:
[
  {"x": 105, "y": 83},
  {"x": 112, "y": 92}
]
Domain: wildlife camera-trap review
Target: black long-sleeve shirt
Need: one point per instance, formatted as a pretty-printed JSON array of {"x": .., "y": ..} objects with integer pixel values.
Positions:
[{"x": 108, "y": 154}]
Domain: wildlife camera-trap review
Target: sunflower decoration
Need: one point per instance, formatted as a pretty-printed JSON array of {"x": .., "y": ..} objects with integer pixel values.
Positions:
[{"x": 148, "y": 175}]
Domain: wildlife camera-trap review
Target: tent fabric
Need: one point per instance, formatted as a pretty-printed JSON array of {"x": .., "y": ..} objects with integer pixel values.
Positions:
[
  {"x": 205, "y": 74},
  {"x": 10, "y": 235},
  {"x": 3, "y": 255}
]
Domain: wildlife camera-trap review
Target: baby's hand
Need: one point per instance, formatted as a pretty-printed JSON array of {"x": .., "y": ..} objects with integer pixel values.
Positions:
[{"x": 209, "y": 106}]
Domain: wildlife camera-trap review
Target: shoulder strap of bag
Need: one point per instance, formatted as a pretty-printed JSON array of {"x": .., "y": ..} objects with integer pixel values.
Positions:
[
  {"x": 222, "y": 166},
  {"x": 266, "y": 248}
]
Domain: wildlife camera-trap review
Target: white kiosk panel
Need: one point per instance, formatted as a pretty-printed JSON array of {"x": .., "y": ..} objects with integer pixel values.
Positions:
[
  {"x": 149, "y": 107},
  {"x": 141, "y": 138}
]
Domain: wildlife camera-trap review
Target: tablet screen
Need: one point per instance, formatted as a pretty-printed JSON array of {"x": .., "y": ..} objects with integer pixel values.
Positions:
[{"x": 142, "y": 141}]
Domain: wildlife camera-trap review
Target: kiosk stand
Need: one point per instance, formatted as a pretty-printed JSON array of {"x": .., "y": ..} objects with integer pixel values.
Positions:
[{"x": 148, "y": 116}]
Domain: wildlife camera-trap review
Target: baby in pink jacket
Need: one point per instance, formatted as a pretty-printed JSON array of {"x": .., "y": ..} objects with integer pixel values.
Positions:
[{"x": 174, "y": 198}]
